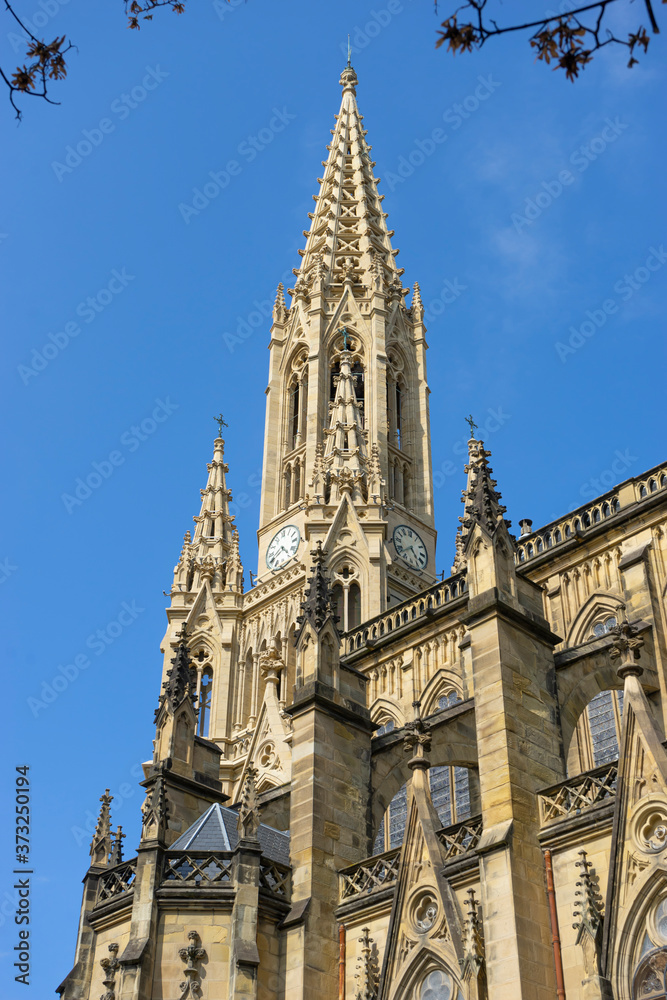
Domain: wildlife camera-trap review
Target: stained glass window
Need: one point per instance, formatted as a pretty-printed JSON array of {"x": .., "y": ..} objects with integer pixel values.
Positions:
[
  {"x": 450, "y": 791},
  {"x": 604, "y": 713}
]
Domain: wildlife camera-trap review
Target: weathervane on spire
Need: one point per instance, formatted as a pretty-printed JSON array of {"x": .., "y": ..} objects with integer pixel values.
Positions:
[
  {"x": 473, "y": 425},
  {"x": 221, "y": 423},
  {"x": 349, "y": 52}
]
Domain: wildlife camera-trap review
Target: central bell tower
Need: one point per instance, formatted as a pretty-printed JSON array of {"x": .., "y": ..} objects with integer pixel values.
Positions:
[{"x": 347, "y": 459}]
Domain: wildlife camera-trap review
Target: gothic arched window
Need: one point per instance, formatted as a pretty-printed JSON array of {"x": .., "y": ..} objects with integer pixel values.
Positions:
[
  {"x": 346, "y": 595},
  {"x": 205, "y": 692},
  {"x": 449, "y": 698},
  {"x": 294, "y": 407},
  {"x": 353, "y": 606},
  {"x": 597, "y": 734}
]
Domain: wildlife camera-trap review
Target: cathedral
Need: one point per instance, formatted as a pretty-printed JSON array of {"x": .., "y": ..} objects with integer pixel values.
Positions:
[{"x": 369, "y": 782}]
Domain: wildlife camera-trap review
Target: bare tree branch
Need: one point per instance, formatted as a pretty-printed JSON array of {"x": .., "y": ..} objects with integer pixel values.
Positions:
[
  {"x": 45, "y": 61},
  {"x": 570, "y": 39}
]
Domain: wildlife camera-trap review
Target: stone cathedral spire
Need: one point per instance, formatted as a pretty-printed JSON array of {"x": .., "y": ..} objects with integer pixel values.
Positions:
[{"x": 347, "y": 450}]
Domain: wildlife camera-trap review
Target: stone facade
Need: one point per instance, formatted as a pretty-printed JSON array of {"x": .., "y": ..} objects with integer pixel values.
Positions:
[{"x": 368, "y": 783}]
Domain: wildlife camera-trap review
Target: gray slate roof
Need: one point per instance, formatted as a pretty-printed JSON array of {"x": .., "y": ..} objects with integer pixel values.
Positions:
[{"x": 217, "y": 830}]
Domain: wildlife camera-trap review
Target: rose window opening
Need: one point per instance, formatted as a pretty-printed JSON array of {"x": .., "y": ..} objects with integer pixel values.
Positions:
[{"x": 425, "y": 913}]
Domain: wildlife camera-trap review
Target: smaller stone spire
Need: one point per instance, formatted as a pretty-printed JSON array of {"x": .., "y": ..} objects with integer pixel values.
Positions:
[
  {"x": 368, "y": 973},
  {"x": 155, "y": 809},
  {"x": 100, "y": 848},
  {"x": 116, "y": 855},
  {"x": 588, "y": 904},
  {"x": 473, "y": 944},
  {"x": 375, "y": 480},
  {"x": 180, "y": 676},
  {"x": 234, "y": 565},
  {"x": 214, "y": 518},
  {"x": 249, "y": 821},
  {"x": 318, "y": 481},
  {"x": 279, "y": 307},
  {"x": 317, "y": 607},
  {"x": 417, "y": 307},
  {"x": 482, "y": 501}
]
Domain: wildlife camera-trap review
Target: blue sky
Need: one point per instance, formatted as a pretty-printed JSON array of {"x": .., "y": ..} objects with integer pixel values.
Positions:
[{"x": 534, "y": 215}]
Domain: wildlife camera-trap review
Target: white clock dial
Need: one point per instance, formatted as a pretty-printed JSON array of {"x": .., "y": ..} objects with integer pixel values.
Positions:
[
  {"x": 283, "y": 546},
  {"x": 410, "y": 547}
]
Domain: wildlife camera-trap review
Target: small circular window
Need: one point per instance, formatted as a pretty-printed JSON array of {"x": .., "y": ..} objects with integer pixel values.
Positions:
[{"x": 425, "y": 912}]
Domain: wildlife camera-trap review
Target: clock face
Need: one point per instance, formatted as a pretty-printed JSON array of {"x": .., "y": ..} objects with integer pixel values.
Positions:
[
  {"x": 410, "y": 547},
  {"x": 283, "y": 546}
]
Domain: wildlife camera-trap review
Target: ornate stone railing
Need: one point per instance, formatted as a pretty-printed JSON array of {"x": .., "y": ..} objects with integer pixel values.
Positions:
[
  {"x": 586, "y": 517},
  {"x": 275, "y": 877},
  {"x": 571, "y": 797},
  {"x": 370, "y": 875},
  {"x": 116, "y": 880},
  {"x": 461, "y": 838},
  {"x": 197, "y": 868},
  {"x": 423, "y": 604}
]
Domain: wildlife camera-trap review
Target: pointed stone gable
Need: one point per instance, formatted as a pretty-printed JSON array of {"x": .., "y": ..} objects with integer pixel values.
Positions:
[
  {"x": 425, "y": 927},
  {"x": 638, "y": 863}
]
